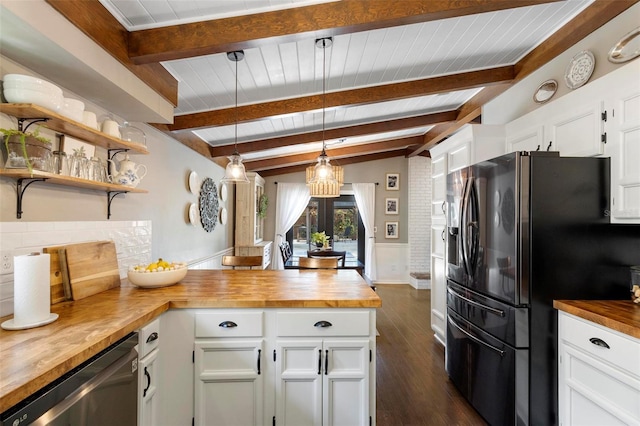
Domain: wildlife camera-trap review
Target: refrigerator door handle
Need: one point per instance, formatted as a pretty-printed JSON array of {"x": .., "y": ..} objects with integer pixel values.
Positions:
[
  {"x": 489, "y": 309},
  {"x": 464, "y": 209},
  {"x": 474, "y": 338},
  {"x": 474, "y": 243}
]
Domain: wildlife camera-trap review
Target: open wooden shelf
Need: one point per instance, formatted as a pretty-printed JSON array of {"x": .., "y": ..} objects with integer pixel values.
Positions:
[
  {"x": 52, "y": 178},
  {"x": 70, "y": 127}
]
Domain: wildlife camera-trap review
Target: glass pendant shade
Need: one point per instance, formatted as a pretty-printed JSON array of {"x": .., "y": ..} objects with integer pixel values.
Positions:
[
  {"x": 235, "y": 171},
  {"x": 322, "y": 171}
]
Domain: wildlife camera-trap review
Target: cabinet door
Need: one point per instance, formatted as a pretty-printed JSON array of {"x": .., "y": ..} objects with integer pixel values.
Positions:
[
  {"x": 529, "y": 139},
  {"x": 438, "y": 298},
  {"x": 299, "y": 371},
  {"x": 346, "y": 382},
  {"x": 322, "y": 382},
  {"x": 148, "y": 398},
  {"x": 578, "y": 132},
  {"x": 623, "y": 145},
  {"x": 229, "y": 387}
]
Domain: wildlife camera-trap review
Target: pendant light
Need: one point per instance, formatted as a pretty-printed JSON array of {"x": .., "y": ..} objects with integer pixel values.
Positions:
[
  {"x": 323, "y": 179},
  {"x": 235, "y": 171}
]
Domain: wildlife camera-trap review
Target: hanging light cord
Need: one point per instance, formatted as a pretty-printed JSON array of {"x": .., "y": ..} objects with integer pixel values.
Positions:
[
  {"x": 324, "y": 91},
  {"x": 235, "y": 146}
]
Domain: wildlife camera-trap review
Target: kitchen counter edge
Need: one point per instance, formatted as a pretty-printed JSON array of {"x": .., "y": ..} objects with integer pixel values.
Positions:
[{"x": 619, "y": 315}]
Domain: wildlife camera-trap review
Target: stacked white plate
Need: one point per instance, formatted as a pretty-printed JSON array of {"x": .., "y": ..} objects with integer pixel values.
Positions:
[{"x": 25, "y": 89}]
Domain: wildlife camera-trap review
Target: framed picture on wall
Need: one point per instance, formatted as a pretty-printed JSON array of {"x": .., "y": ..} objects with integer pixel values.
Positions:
[
  {"x": 393, "y": 182},
  {"x": 391, "y": 206},
  {"x": 73, "y": 146},
  {"x": 391, "y": 229}
]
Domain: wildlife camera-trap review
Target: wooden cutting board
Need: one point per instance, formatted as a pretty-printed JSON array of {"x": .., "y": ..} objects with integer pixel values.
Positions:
[
  {"x": 92, "y": 267},
  {"x": 60, "y": 290}
]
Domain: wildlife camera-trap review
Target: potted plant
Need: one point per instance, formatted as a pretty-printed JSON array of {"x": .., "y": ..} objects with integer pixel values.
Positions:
[
  {"x": 26, "y": 150},
  {"x": 320, "y": 239}
]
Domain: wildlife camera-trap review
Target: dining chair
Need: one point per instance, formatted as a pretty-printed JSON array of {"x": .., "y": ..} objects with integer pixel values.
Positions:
[
  {"x": 242, "y": 261},
  {"x": 340, "y": 255},
  {"x": 285, "y": 250},
  {"x": 318, "y": 262}
]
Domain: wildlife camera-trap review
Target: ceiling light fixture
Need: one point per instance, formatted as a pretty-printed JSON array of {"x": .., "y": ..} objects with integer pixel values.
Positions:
[
  {"x": 235, "y": 171},
  {"x": 323, "y": 179}
]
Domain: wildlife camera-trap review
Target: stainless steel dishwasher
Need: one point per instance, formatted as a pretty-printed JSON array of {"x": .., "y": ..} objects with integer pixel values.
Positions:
[{"x": 101, "y": 391}]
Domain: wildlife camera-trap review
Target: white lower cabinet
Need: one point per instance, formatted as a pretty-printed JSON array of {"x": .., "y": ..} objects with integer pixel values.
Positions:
[
  {"x": 268, "y": 366},
  {"x": 322, "y": 382},
  {"x": 599, "y": 374},
  {"x": 229, "y": 385},
  {"x": 148, "y": 374},
  {"x": 228, "y": 364}
]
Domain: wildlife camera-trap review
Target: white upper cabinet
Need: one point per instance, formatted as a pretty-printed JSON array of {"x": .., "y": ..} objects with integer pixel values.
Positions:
[
  {"x": 600, "y": 119},
  {"x": 623, "y": 145}
]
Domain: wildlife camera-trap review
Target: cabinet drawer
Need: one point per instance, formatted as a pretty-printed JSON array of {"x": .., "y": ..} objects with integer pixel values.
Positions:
[
  {"x": 149, "y": 337},
  {"x": 623, "y": 352},
  {"x": 310, "y": 324},
  {"x": 229, "y": 324}
]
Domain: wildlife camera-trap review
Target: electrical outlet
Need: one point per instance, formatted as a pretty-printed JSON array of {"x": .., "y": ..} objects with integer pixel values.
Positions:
[{"x": 6, "y": 262}]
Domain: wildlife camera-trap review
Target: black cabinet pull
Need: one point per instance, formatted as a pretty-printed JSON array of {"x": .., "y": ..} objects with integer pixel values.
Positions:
[
  {"x": 227, "y": 324},
  {"x": 319, "y": 362},
  {"x": 599, "y": 342},
  {"x": 148, "y": 376},
  {"x": 153, "y": 336},
  {"x": 326, "y": 362},
  {"x": 322, "y": 324},
  {"x": 444, "y": 204},
  {"x": 259, "y": 351}
]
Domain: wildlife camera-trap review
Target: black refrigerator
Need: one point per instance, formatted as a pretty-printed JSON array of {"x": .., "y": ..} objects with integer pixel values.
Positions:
[{"x": 524, "y": 229}]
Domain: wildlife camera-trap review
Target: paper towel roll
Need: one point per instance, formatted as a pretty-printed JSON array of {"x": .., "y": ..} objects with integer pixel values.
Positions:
[{"x": 32, "y": 294}]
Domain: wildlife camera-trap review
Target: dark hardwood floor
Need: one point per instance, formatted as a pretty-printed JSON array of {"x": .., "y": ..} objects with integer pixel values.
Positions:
[{"x": 412, "y": 385}]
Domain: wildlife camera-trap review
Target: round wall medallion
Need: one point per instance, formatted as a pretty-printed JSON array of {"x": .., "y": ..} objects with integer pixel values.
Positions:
[
  {"x": 208, "y": 204},
  {"x": 545, "y": 91},
  {"x": 579, "y": 70}
]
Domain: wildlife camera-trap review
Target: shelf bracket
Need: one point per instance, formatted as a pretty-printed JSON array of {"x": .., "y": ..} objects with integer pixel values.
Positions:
[
  {"x": 115, "y": 152},
  {"x": 110, "y": 196},
  {"x": 23, "y": 128},
  {"x": 20, "y": 190}
]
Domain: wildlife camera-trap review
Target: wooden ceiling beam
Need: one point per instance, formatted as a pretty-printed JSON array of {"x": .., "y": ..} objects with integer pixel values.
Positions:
[
  {"x": 335, "y": 154},
  {"x": 91, "y": 17},
  {"x": 337, "y": 133},
  {"x": 367, "y": 95},
  {"x": 593, "y": 17},
  {"x": 321, "y": 20},
  {"x": 343, "y": 162}
]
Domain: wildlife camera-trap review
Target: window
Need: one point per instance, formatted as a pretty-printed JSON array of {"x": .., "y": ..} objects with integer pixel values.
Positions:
[{"x": 339, "y": 218}]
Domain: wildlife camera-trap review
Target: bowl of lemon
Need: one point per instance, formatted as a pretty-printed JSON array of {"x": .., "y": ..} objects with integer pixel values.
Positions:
[{"x": 157, "y": 274}]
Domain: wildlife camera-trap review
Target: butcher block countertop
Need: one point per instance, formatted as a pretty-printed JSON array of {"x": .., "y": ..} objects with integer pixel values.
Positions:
[
  {"x": 31, "y": 359},
  {"x": 619, "y": 315}
]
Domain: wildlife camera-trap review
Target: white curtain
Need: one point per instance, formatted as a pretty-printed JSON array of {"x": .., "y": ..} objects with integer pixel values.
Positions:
[
  {"x": 365, "y": 194},
  {"x": 291, "y": 201}
]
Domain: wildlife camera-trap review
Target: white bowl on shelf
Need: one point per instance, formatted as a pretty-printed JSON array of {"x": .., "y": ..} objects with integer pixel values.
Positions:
[
  {"x": 156, "y": 279},
  {"x": 29, "y": 96},
  {"x": 73, "y": 109}
]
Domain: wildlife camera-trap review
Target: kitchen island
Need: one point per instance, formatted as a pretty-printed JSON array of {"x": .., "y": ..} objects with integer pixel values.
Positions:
[{"x": 33, "y": 358}]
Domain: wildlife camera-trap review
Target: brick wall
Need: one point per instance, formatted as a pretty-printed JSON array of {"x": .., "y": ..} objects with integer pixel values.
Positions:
[{"x": 419, "y": 214}]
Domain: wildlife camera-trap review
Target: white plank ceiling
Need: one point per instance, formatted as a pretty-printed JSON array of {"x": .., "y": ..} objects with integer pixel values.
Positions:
[{"x": 363, "y": 59}]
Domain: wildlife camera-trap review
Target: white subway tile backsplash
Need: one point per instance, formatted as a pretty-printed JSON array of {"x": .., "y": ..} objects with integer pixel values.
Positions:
[{"x": 132, "y": 240}]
